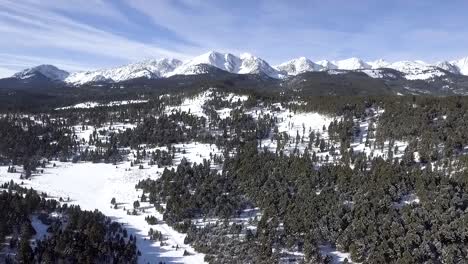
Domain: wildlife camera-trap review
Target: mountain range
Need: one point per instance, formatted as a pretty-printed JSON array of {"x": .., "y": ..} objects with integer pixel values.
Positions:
[{"x": 245, "y": 64}]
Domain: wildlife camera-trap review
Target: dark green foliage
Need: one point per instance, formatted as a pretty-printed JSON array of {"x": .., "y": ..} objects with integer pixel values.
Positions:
[
  {"x": 192, "y": 190},
  {"x": 75, "y": 237}
]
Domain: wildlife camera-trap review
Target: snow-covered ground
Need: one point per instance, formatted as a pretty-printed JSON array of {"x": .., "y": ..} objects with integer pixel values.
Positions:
[
  {"x": 96, "y": 104},
  {"x": 234, "y": 98},
  {"x": 194, "y": 104},
  {"x": 41, "y": 229},
  {"x": 293, "y": 124},
  {"x": 84, "y": 131},
  {"x": 371, "y": 150},
  {"x": 407, "y": 200},
  {"x": 299, "y": 122},
  {"x": 337, "y": 256},
  {"x": 93, "y": 185}
]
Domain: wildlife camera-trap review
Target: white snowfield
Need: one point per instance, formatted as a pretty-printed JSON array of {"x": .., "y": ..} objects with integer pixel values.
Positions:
[
  {"x": 378, "y": 73},
  {"x": 351, "y": 64},
  {"x": 194, "y": 105},
  {"x": 93, "y": 185},
  {"x": 416, "y": 70},
  {"x": 146, "y": 69},
  {"x": 96, "y": 104},
  {"x": 83, "y": 132},
  {"x": 300, "y": 123}
]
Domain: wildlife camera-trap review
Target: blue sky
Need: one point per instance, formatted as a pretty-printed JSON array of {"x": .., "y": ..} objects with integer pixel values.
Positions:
[{"x": 78, "y": 35}]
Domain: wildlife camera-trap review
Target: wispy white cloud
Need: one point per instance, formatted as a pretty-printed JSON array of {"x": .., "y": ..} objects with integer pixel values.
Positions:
[
  {"x": 33, "y": 25},
  {"x": 90, "y": 7},
  {"x": 199, "y": 22},
  {"x": 45, "y": 28},
  {"x": 278, "y": 30},
  {"x": 271, "y": 31},
  {"x": 18, "y": 62}
]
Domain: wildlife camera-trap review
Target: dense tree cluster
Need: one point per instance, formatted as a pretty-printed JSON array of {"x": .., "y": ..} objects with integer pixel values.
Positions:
[
  {"x": 22, "y": 139},
  {"x": 86, "y": 237},
  {"x": 358, "y": 211},
  {"x": 74, "y": 236},
  {"x": 436, "y": 125},
  {"x": 192, "y": 191}
]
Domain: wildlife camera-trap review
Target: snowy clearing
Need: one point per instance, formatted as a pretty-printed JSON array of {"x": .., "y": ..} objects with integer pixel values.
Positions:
[
  {"x": 337, "y": 256},
  {"x": 93, "y": 185}
]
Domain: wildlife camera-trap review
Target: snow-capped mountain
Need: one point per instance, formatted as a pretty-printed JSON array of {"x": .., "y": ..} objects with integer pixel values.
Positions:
[
  {"x": 148, "y": 69},
  {"x": 49, "y": 71},
  {"x": 245, "y": 64},
  {"x": 445, "y": 65},
  {"x": 351, "y": 64},
  {"x": 223, "y": 61},
  {"x": 456, "y": 67},
  {"x": 327, "y": 65},
  {"x": 298, "y": 66},
  {"x": 416, "y": 70},
  {"x": 379, "y": 73},
  {"x": 462, "y": 65},
  {"x": 377, "y": 64},
  {"x": 254, "y": 65}
]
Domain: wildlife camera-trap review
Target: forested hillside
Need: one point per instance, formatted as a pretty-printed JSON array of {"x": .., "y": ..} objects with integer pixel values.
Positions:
[{"x": 228, "y": 175}]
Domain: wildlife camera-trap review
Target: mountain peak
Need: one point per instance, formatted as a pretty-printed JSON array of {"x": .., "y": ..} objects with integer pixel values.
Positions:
[
  {"x": 49, "y": 71},
  {"x": 150, "y": 68},
  {"x": 223, "y": 61},
  {"x": 245, "y": 64},
  {"x": 327, "y": 65},
  {"x": 377, "y": 64},
  {"x": 417, "y": 70},
  {"x": 213, "y": 54},
  {"x": 462, "y": 65},
  {"x": 247, "y": 55},
  {"x": 445, "y": 65},
  {"x": 352, "y": 63},
  {"x": 251, "y": 64},
  {"x": 298, "y": 66}
]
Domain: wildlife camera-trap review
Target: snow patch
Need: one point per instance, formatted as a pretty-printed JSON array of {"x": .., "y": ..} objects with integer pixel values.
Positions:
[{"x": 87, "y": 105}]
